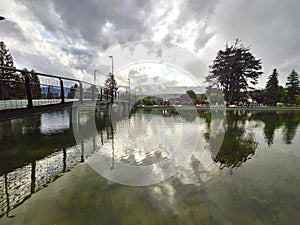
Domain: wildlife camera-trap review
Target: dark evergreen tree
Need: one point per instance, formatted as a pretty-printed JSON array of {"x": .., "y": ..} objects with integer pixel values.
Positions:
[
  {"x": 292, "y": 87},
  {"x": 36, "y": 90},
  {"x": 35, "y": 85},
  {"x": 20, "y": 90},
  {"x": 282, "y": 94},
  {"x": 110, "y": 85},
  {"x": 232, "y": 70},
  {"x": 272, "y": 88},
  {"x": 257, "y": 95},
  {"x": 6, "y": 76}
]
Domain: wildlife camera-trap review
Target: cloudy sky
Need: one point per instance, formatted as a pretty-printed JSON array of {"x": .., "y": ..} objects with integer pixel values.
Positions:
[{"x": 68, "y": 37}]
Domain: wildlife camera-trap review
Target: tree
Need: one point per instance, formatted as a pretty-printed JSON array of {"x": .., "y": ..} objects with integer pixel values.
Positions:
[
  {"x": 6, "y": 76},
  {"x": 272, "y": 88},
  {"x": 282, "y": 94},
  {"x": 192, "y": 95},
  {"x": 232, "y": 70},
  {"x": 292, "y": 87},
  {"x": 110, "y": 85},
  {"x": 36, "y": 90},
  {"x": 72, "y": 91},
  {"x": 35, "y": 85}
]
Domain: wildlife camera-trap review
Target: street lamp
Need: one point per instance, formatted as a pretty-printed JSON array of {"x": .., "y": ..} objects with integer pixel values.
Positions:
[
  {"x": 112, "y": 64},
  {"x": 2, "y": 18},
  {"x": 94, "y": 86},
  {"x": 112, "y": 73},
  {"x": 95, "y": 77}
]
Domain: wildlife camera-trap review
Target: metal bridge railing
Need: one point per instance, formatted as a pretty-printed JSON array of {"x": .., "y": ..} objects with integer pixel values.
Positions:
[{"x": 27, "y": 89}]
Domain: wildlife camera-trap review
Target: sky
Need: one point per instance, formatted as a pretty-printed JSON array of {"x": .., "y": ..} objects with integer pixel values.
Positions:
[{"x": 73, "y": 38}]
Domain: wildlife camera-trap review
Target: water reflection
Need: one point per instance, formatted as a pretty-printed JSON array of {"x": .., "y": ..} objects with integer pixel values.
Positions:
[
  {"x": 238, "y": 145},
  {"x": 287, "y": 120},
  {"x": 33, "y": 153}
]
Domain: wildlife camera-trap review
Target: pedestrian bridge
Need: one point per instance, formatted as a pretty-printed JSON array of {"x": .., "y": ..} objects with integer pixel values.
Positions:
[{"x": 23, "y": 93}]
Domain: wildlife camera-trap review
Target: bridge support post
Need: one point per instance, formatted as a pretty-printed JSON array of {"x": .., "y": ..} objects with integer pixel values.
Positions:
[
  {"x": 28, "y": 91},
  {"x": 81, "y": 92},
  {"x": 62, "y": 92},
  {"x": 75, "y": 122},
  {"x": 82, "y": 152},
  {"x": 93, "y": 92}
]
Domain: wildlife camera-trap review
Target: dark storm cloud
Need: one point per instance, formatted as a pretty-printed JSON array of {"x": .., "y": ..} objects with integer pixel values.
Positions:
[
  {"x": 196, "y": 10},
  {"x": 271, "y": 28},
  {"x": 193, "y": 11},
  {"x": 82, "y": 57},
  {"x": 87, "y": 20},
  {"x": 10, "y": 29},
  {"x": 80, "y": 30}
]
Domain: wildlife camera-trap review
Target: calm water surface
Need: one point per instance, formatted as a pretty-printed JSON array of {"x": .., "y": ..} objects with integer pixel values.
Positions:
[{"x": 248, "y": 174}]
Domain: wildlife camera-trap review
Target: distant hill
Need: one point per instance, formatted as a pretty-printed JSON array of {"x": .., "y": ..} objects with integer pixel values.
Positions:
[
  {"x": 167, "y": 92},
  {"x": 54, "y": 90}
]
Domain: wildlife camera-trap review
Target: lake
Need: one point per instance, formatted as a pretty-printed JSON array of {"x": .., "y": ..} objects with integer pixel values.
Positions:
[{"x": 157, "y": 166}]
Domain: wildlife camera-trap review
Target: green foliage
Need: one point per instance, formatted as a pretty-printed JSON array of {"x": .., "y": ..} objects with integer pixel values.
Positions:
[
  {"x": 282, "y": 94},
  {"x": 192, "y": 95},
  {"x": 298, "y": 100},
  {"x": 36, "y": 90},
  {"x": 292, "y": 87},
  {"x": 215, "y": 98},
  {"x": 147, "y": 101},
  {"x": 12, "y": 85},
  {"x": 257, "y": 95},
  {"x": 6, "y": 77},
  {"x": 110, "y": 85},
  {"x": 232, "y": 69},
  {"x": 272, "y": 88},
  {"x": 203, "y": 97}
]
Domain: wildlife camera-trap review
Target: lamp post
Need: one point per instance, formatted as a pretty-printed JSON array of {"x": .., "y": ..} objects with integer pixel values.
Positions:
[
  {"x": 112, "y": 64},
  {"x": 112, "y": 73},
  {"x": 94, "y": 86},
  {"x": 95, "y": 77}
]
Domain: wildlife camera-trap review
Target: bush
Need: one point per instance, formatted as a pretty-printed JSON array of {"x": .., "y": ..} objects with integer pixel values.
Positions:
[{"x": 298, "y": 100}]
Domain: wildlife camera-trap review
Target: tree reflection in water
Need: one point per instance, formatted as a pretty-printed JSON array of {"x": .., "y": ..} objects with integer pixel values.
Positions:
[
  {"x": 273, "y": 120},
  {"x": 238, "y": 145}
]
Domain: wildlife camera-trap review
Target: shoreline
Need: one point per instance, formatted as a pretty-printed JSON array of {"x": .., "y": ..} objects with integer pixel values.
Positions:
[{"x": 254, "y": 108}]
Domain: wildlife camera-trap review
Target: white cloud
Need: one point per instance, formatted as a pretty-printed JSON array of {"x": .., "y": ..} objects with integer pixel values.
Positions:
[{"x": 65, "y": 37}]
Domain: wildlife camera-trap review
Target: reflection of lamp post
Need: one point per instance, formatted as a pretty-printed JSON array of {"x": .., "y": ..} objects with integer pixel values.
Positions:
[
  {"x": 129, "y": 88},
  {"x": 112, "y": 73},
  {"x": 2, "y": 18}
]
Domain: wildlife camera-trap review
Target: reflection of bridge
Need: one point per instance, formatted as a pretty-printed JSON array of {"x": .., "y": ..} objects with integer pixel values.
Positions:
[
  {"x": 45, "y": 159},
  {"x": 23, "y": 93}
]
